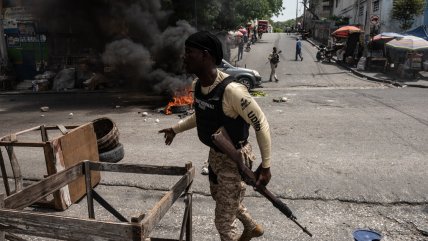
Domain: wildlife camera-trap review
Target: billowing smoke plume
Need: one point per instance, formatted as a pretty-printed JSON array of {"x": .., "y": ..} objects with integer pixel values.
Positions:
[{"x": 132, "y": 36}]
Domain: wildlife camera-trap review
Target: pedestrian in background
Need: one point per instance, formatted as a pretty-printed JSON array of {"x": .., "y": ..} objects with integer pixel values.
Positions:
[
  {"x": 240, "y": 48},
  {"x": 273, "y": 60},
  {"x": 299, "y": 49}
]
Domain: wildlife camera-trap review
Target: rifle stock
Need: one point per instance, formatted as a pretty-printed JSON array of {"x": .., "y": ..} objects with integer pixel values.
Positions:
[{"x": 222, "y": 140}]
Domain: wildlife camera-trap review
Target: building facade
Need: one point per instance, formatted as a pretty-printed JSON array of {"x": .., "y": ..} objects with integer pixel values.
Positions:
[{"x": 356, "y": 11}]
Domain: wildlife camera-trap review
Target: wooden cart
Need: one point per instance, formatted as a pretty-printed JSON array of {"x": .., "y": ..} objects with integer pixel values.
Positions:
[
  {"x": 15, "y": 221},
  {"x": 73, "y": 145}
]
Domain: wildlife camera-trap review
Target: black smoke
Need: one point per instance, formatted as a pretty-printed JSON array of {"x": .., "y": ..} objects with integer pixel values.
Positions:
[{"x": 132, "y": 36}]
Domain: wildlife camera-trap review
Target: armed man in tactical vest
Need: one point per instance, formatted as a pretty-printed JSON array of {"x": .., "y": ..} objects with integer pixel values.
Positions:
[
  {"x": 273, "y": 59},
  {"x": 221, "y": 102}
]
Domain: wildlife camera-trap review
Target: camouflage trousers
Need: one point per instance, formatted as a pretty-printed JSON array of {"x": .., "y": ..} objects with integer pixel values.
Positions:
[{"x": 228, "y": 190}]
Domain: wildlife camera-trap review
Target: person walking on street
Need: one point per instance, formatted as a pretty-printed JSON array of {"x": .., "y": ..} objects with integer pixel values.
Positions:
[
  {"x": 273, "y": 60},
  {"x": 221, "y": 102},
  {"x": 299, "y": 49},
  {"x": 240, "y": 48}
]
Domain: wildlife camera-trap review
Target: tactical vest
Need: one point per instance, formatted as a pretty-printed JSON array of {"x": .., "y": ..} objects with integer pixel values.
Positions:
[{"x": 210, "y": 116}]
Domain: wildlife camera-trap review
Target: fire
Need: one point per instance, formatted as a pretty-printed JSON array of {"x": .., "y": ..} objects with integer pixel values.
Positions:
[{"x": 184, "y": 97}]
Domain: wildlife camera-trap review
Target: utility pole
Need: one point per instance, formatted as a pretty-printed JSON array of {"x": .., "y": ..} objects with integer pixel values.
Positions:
[
  {"x": 297, "y": 12},
  {"x": 304, "y": 14}
]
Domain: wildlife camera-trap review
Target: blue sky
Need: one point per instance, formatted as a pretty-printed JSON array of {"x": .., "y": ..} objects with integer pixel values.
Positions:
[{"x": 290, "y": 10}]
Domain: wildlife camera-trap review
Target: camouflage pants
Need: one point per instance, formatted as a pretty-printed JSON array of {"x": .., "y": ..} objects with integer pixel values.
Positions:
[{"x": 228, "y": 190}]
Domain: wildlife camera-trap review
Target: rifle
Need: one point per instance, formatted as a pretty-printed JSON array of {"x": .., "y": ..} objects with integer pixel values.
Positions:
[{"x": 222, "y": 140}]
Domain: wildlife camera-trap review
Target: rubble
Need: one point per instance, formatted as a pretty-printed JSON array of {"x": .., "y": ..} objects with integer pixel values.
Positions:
[
  {"x": 281, "y": 99},
  {"x": 64, "y": 80},
  {"x": 258, "y": 93}
]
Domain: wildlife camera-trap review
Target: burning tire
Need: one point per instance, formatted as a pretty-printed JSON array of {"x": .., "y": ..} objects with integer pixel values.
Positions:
[
  {"x": 114, "y": 155},
  {"x": 180, "y": 108},
  {"x": 107, "y": 134}
]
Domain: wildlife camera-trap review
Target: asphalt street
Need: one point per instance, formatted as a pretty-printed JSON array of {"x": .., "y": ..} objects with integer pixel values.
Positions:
[{"x": 347, "y": 153}]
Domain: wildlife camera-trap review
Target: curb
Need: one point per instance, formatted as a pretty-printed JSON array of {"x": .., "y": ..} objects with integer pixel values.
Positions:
[{"x": 360, "y": 74}]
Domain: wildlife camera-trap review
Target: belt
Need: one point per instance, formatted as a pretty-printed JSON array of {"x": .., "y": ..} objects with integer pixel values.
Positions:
[{"x": 239, "y": 145}]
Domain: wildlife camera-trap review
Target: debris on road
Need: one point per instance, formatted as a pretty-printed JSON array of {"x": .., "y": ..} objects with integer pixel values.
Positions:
[
  {"x": 281, "y": 99},
  {"x": 204, "y": 170},
  {"x": 144, "y": 114},
  {"x": 157, "y": 121},
  {"x": 44, "y": 108},
  {"x": 258, "y": 93}
]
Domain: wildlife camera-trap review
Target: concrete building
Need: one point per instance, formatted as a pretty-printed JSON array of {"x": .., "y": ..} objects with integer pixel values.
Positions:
[
  {"x": 317, "y": 19},
  {"x": 356, "y": 11}
]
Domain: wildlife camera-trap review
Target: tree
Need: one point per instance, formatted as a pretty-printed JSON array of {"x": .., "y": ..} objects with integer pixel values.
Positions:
[
  {"x": 222, "y": 14},
  {"x": 405, "y": 11}
]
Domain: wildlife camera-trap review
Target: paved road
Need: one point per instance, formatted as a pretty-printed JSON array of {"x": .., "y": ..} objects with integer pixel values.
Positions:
[{"x": 347, "y": 153}]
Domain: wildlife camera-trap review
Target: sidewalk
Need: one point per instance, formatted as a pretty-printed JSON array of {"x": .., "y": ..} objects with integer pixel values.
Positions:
[{"x": 420, "y": 82}]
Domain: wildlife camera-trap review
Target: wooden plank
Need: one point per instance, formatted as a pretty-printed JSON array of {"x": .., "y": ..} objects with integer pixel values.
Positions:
[
  {"x": 78, "y": 145},
  {"x": 161, "y": 239},
  {"x": 56, "y": 127},
  {"x": 4, "y": 174},
  {"x": 62, "y": 129},
  {"x": 136, "y": 168},
  {"x": 16, "y": 169},
  {"x": 12, "y": 237},
  {"x": 43, "y": 188},
  {"x": 2, "y": 234},
  {"x": 89, "y": 198},
  {"x": 108, "y": 207},
  {"x": 58, "y": 201},
  {"x": 28, "y": 130},
  {"x": 44, "y": 133},
  {"x": 156, "y": 214},
  {"x": 189, "y": 226},
  {"x": 66, "y": 228},
  {"x": 189, "y": 207}
]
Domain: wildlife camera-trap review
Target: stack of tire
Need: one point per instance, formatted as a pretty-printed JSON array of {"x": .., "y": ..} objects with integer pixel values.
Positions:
[{"x": 109, "y": 148}]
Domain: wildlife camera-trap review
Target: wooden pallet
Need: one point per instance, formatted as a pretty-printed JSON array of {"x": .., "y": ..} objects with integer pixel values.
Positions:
[
  {"x": 14, "y": 220},
  {"x": 77, "y": 143}
]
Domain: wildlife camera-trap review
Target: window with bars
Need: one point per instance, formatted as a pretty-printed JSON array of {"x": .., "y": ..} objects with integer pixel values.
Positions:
[
  {"x": 361, "y": 11},
  {"x": 375, "y": 5}
]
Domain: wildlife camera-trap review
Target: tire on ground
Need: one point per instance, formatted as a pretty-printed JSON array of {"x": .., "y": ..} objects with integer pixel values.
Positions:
[
  {"x": 114, "y": 155},
  {"x": 107, "y": 134}
]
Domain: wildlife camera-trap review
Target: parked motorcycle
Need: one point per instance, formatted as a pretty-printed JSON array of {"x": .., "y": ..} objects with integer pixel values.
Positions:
[{"x": 324, "y": 54}]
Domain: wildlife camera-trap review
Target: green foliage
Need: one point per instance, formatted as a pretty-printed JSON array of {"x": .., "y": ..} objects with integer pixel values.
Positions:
[
  {"x": 405, "y": 11},
  {"x": 222, "y": 14},
  {"x": 339, "y": 20},
  {"x": 278, "y": 30}
]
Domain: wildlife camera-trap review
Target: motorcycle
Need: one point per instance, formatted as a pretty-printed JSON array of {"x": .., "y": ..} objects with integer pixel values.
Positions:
[{"x": 324, "y": 54}]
